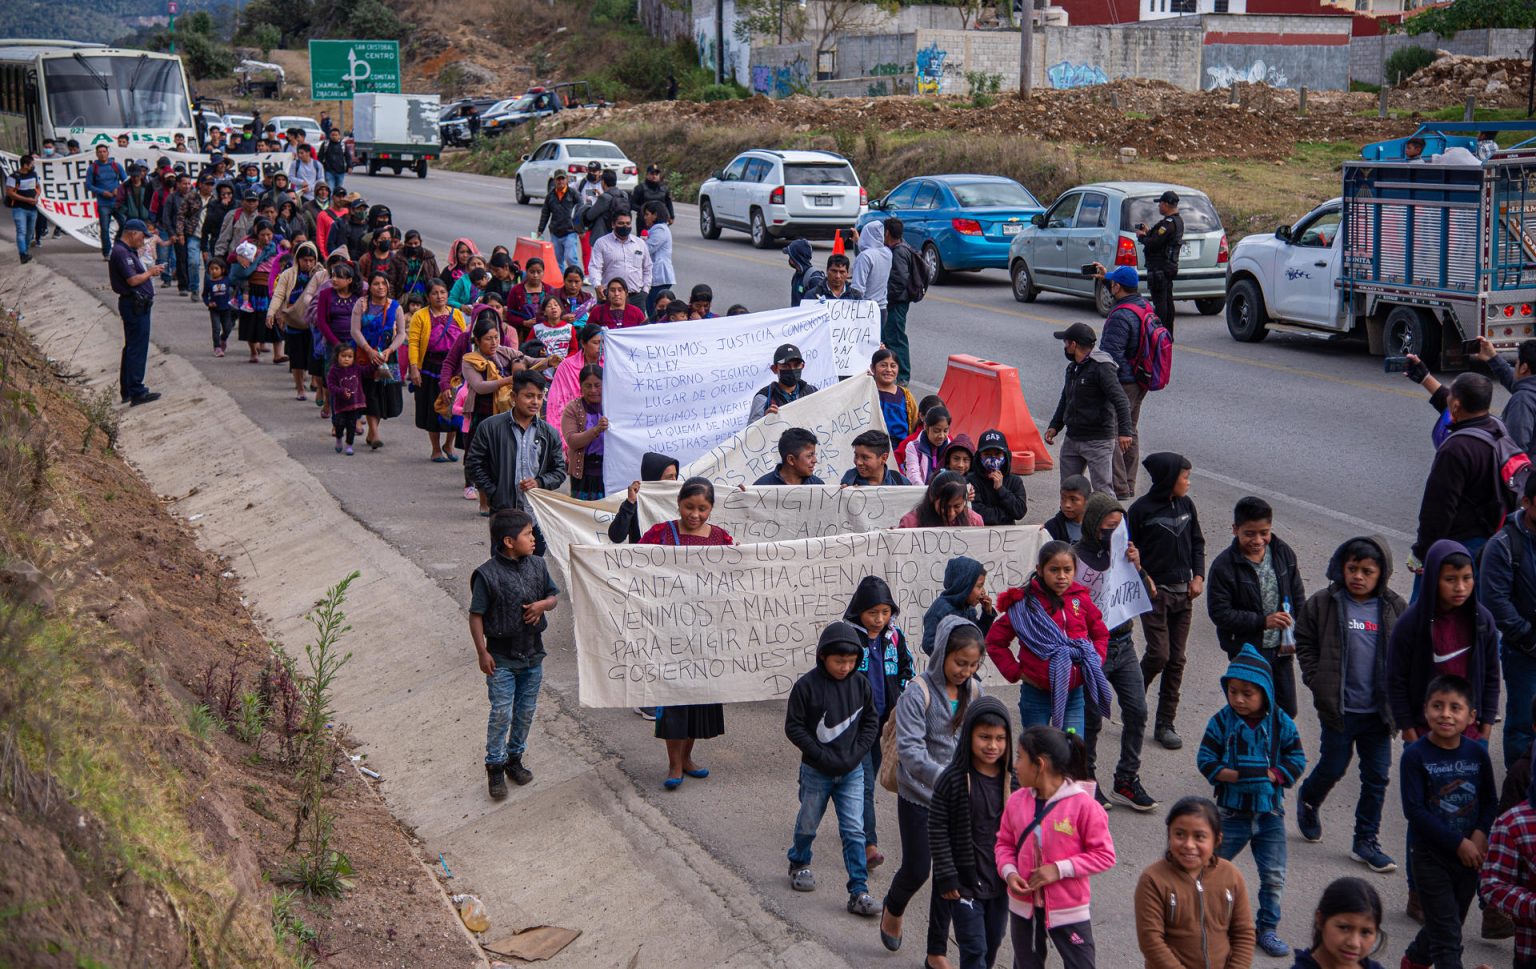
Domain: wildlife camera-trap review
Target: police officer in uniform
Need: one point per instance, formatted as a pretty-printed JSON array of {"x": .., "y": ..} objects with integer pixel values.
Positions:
[{"x": 1160, "y": 245}]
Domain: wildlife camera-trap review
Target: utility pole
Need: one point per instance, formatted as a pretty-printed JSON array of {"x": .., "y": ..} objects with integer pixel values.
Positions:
[
  {"x": 1026, "y": 49},
  {"x": 172, "y": 9},
  {"x": 719, "y": 41},
  {"x": 1530, "y": 93}
]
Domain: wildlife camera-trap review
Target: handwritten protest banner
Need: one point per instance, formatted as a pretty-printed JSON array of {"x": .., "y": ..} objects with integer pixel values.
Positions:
[
  {"x": 855, "y": 332},
  {"x": 667, "y": 625},
  {"x": 836, "y": 414},
  {"x": 64, "y": 201},
  {"x": 1118, "y": 591},
  {"x": 681, "y": 390}
]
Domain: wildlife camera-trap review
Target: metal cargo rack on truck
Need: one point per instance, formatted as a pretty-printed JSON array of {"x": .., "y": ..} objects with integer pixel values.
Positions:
[{"x": 1436, "y": 254}]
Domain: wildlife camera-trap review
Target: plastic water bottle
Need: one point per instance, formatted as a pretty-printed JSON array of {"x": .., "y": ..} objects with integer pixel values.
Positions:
[{"x": 1288, "y": 634}]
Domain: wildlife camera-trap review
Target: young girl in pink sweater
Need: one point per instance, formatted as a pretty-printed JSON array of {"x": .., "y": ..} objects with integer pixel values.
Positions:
[{"x": 1053, "y": 837}]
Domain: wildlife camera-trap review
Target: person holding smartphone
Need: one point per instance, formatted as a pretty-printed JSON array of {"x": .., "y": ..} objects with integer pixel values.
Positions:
[{"x": 135, "y": 289}]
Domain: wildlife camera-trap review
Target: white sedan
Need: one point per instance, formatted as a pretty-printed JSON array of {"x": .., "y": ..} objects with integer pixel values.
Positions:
[
  {"x": 571, "y": 155},
  {"x": 311, "y": 128}
]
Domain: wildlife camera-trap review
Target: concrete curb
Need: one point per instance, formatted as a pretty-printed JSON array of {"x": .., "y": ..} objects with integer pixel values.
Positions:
[{"x": 579, "y": 847}]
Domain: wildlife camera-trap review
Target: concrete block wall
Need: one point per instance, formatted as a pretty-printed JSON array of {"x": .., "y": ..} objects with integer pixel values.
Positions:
[
  {"x": 1163, "y": 50},
  {"x": 1282, "y": 51},
  {"x": 1366, "y": 54}
]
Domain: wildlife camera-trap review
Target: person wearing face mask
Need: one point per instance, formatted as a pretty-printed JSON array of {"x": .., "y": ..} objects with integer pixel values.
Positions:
[
  {"x": 788, "y": 365},
  {"x": 620, "y": 255},
  {"x": 599, "y": 217},
  {"x": 420, "y": 264},
  {"x": 1000, "y": 498},
  {"x": 383, "y": 258},
  {"x": 1093, "y": 409}
]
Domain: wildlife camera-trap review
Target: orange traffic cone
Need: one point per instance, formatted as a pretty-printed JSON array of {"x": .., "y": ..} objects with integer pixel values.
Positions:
[{"x": 837, "y": 243}]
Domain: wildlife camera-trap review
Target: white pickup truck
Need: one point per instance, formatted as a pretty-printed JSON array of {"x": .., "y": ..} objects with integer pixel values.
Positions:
[{"x": 1413, "y": 257}]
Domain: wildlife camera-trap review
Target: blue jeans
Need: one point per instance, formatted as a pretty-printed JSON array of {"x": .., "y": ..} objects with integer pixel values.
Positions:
[
  {"x": 567, "y": 250},
  {"x": 1520, "y": 686},
  {"x": 334, "y": 180},
  {"x": 871, "y": 767},
  {"x": 1266, "y": 832},
  {"x": 514, "y": 696},
  {"x": 1366, "y": 733},
  {"x": 26, "y": 227},
  {"x": 1035, "y": 708},
  {"x": 130, "y": 373},
  {"x": 847, "y": 796},
  {"x": 194, "y": 250},
  {"x": 165, "y": 254},
  {"x": 106, "y": 214},
  {"x": 980, "y": 924}
]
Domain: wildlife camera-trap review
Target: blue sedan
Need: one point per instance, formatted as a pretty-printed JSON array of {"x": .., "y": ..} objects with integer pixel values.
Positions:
[{"x": 958, "y": 222}]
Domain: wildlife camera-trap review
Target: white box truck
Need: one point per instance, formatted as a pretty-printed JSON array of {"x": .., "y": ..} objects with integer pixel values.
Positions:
[{"x": 395, "y": 131}]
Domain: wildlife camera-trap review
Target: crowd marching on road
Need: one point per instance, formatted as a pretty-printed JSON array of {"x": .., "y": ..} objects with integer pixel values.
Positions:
[{"x": 999, "y": 811}]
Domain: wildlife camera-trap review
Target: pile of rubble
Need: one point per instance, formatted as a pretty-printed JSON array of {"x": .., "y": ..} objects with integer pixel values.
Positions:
[{"x": 1494, "y": 81}]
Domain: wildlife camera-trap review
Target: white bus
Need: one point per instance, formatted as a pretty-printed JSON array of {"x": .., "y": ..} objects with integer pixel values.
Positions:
[{"x": 63, "y": 89}]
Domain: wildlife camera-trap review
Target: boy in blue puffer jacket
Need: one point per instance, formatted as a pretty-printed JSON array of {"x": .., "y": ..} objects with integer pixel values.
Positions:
[{"x": 1251, "y": 752}]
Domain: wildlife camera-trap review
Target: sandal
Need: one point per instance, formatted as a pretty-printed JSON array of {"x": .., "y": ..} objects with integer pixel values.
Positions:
[
  {"x": 454, "y": 458},
  {"x": 440, "y": 459},
  {"x": 300, "y": 397},
  {"x": 375, "y": 444},
  {"x": 278, "y": 360}
]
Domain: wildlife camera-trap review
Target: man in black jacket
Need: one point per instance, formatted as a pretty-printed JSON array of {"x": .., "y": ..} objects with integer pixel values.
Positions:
[
  {"x": 1000, "y": 498},
  {"x": 1166, "y": 529},
  {"x": 613, "y": 203},
  {"x": 1093, "y": 409},
  {"x": 1255, "y": 591},
  {"x": 893, "y": 326},
  {"x": 1463, "y": 496},
  {"x": 653, "y": 189},
  {"x": 333, "y": 159},
  {"x": 1160, "y": 247},
  {"x": 561, "y": 216},
  {"x": 830, "y": 718}
]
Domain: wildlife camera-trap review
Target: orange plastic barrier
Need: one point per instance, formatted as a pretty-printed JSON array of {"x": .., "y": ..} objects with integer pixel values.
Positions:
[
  {"x": 981, "y": 395},
  {"x": 525, "y": 248}
]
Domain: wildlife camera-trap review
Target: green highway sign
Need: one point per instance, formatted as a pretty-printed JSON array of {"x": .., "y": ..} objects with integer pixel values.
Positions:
[{"x": 339, "y": 69}]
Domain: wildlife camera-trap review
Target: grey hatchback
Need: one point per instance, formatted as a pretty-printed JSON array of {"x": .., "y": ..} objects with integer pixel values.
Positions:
[{"x": 1097, "y": 223}]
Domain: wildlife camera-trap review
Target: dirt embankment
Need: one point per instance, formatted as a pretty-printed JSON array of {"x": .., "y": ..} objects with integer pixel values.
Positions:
[{"x": 139, "y": 830}]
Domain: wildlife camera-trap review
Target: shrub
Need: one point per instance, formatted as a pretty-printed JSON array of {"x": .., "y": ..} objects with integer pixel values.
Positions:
[
  {"x": 719, "y": 92},
  {"x": 1405, "y": 62}
]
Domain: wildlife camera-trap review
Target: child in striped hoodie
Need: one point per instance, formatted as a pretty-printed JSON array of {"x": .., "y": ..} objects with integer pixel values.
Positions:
[{"x": 1251, "y": 752}]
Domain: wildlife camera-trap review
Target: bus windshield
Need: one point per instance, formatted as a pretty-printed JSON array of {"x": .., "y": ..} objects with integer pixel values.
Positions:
[{"x": 118, "y": 91}]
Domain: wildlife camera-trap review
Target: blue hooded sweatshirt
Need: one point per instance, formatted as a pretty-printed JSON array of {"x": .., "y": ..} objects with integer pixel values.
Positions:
[
  {"x": 960, "y": 575},
  {"x": 1251, "y": 748}
]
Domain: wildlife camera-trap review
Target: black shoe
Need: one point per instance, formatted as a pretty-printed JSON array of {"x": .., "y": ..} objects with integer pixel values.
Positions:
[
  {"x": 1098, "y": 795},
  {"x": 1128, "y": 791},
  {"x": 498, "y": 783},
  {"x": 26, "y": 257},
  {"x": 144, "y": 398},
  {"x": 520, "y": 775}
]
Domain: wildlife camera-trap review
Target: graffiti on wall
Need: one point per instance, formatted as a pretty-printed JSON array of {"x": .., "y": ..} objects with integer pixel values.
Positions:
[
  {"x": 736, "y": 54},
  {"x": 930, "y": 70},
  {"x": 1065, "y": 74},
  {"x": 1225, "y": 75},
  {"x": 889, "y": 69},
  {"x": 780, "y": 82}
]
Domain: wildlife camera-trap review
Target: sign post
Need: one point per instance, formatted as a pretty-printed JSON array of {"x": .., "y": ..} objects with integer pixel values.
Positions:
[{"x": 339, "y": 69}]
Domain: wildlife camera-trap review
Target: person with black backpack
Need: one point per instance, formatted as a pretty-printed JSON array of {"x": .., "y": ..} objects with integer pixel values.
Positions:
[
  {"x": 907, "y": 284},
  {"x": 1464, "y": 494}
]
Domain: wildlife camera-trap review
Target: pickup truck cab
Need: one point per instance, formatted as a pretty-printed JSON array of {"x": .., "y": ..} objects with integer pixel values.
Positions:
[{"x": 1417, "y": 255}]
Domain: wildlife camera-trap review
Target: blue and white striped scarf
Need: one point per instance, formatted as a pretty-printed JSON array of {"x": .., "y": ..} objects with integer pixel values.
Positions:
[{"x": 1041, "y": 636}]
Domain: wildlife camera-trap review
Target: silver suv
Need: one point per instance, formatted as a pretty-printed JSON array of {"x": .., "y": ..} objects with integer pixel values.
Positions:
[
  {"x": 774, "y": 195},
  {"x": 1097, "y": 223}
]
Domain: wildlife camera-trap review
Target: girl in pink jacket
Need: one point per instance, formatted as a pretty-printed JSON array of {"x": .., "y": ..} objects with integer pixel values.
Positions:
[{"x": 1053, "y": 837}]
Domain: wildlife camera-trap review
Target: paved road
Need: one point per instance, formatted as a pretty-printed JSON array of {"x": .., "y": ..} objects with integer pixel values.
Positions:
[{"x": 1338, "y": 447}]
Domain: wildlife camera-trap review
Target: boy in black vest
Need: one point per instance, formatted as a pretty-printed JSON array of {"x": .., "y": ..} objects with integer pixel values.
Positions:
[{"x": 508, "y": 598}]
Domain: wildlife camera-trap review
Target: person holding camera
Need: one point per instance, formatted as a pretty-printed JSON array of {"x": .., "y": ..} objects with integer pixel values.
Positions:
[
  {"x": 1121, "y": 334},
  {"x": 135, "y": 290},
  {"x": 1160, "y": 248}
]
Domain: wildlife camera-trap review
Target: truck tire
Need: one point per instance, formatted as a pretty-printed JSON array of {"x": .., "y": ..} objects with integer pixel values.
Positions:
[
  {"x": 421, "y": 168},
  {"x": 1024, "y": 288},
  {"x": 1210, "y": 306},
  {"x": 1412, "y": 330},
  {"x": 708, "y": 227},
  {"x": 1246, "y": 315}
]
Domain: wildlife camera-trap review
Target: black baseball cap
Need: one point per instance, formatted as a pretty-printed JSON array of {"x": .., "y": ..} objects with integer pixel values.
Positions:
[
  {"x": 1169, "y": 197},
  {"x": 251, "y": 195},
  {"x": 653, "y": 169},
  {"x": 1080, "y": 333},
  {"x": 786, "y": 353},
  {"x": 594, "y": 166}
]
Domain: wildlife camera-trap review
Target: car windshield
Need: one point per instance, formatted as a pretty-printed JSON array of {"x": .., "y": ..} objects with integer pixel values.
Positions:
[
  {"x": 99, "y": 91},
  {"x": 1198, "y": 213},
  {"x": 979, "y": 195},
  {"x": 814, "y": 174},
  {"x": 594, "y": 149},
  {"x": 523, "y": 103}
]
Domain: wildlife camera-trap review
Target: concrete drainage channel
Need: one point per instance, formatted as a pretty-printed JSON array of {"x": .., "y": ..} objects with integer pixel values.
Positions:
[{"x": 580, "y": 847}]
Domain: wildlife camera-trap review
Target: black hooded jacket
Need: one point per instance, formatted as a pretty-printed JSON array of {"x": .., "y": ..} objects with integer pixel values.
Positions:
[
  {"x": 625, "y": 526},
  {"x": 832, "y": 721},
  {"x": 957, "y": 865},
  {"x": 895, "y": 657},
  {"x": 1463, "y": 497},
  {"x": 807, "y": 281},
  {"x": 1322, "y": 641},
  {"x": 997, "y": 506},
  {"x": 1166, "y": 529}
]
